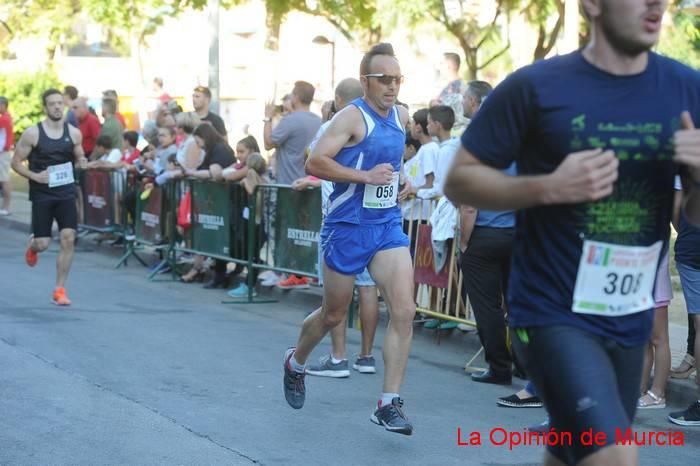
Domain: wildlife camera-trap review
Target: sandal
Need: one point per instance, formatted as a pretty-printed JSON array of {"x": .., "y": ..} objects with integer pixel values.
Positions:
[
  {"x": 651, "y": 401},
  {"x": 684, "y": 369}
]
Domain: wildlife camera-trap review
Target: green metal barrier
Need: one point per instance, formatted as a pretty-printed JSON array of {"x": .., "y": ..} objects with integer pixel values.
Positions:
[{"x": 293, "y": 220}]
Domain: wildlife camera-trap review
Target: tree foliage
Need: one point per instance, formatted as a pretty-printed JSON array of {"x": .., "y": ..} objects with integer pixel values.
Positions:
[{"x": 23, "y": 91}]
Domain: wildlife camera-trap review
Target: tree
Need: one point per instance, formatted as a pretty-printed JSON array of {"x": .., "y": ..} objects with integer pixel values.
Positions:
[
  {"x": 539, "y": 13},
  {"x": 460, "y": 19},
  {"x": 23, "y": 91}
]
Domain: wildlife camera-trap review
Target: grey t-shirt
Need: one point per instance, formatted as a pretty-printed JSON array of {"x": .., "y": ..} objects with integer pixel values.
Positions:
[{"x": 292, "y": 137}]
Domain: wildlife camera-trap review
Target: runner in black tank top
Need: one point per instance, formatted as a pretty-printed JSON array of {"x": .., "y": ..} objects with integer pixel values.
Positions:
[
  {"x": 46, "y": 153},
  {"x": 51, "y": 147}
]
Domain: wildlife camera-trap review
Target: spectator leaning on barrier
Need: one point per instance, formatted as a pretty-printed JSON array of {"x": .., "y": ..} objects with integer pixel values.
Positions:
[
  {"x": 189, "y": 154},
  {"x": 88, "y": 124},
  {"x": 130, "y": 152},
  {"x": 291, "y": 137},
  {"x": 70, "y": 93},
  {"x": 244, "y": 149},
  {"x": 6, "y": 144},
  {"x": 217, "y": 155},
  {"x": 201, "y": 99}
]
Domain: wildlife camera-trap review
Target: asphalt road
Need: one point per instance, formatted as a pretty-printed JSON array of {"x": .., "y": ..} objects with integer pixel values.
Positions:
[{"x": 163, "y": 373}]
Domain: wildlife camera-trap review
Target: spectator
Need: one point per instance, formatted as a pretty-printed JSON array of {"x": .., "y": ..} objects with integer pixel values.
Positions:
[
  {"x": 427, "y": 155},
  {"x": 108, "y": 156},
  {"x": 166, "y": 148},
  {"x": 6, "y": 143},
  {"x": 217, "y": 155},
  {"x": 131, "y": 152},
  {"x": 189, "y": 154},
  {"x": 111, "y": 126},
  {"x": 201, "y": 99},
  {"x": 162, "y": 96},
  {"x": 687, "y": 249},
  {"x": 70, "y": 93},
  {"x": 256, "y": 167},
  {"x": 244, "y": 149},
  {"x": 419, "y": 172},
  {"x": 111, "y": 94},
  {"x": 88, "y": 124},
  {"x": 474, "y": 96},
  {"x": 455, "y": 84},
  {"x": 440, "y": 121},
  {"x": 291, "y": 137}
]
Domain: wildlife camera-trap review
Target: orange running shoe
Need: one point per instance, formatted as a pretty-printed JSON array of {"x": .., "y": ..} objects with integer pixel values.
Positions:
[
  {"x": 30, "y": 256},
  {"x": 60, "y": 298},
  {"x": 294, "y": 283}
]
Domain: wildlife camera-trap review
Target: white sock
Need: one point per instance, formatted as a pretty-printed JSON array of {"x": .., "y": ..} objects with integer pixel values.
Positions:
[
  {"x": 296, "y": 366},
  {"x": 336, "y": 361},
  {"x": 386, "y": 398}
]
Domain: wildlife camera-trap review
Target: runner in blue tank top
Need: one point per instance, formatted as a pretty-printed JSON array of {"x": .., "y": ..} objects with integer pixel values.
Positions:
[
  {"x": 361, "y": 152},
  {"x": 598, "y": 136},
  {"x": 51, "y": 148}
]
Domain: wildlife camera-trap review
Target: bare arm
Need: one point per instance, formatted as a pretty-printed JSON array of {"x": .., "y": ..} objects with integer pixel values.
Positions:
[
  {"x": 236, "y": 175},
  {"x": 267, "y": 128},
  {"x": 676, "y": 215},
  {"x": 345, "y": 128},
  {"x": 193, "y": 156},
  {"x": 78, "y": 153},
  {"x": 22, "y": 150},
  {"x": 582, "y": 177}
]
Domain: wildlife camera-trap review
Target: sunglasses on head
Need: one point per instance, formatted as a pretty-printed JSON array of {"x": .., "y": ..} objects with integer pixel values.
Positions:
[{"x": 385, "y": 79}]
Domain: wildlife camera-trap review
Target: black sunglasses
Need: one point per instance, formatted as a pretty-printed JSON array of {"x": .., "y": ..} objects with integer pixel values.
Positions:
[{"x": 385, "y": 79}]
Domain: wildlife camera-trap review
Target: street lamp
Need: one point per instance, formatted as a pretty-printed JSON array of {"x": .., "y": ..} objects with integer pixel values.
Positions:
[{"x": 323, "y": 40}]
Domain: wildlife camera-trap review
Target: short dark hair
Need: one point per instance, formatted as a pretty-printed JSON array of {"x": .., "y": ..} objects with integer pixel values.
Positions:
[
  {"x": 49, "y": 92},
  {"x": 110, "y": 93},
  {"x": 412, "y": 142},
  {"x": 104, "y": 141},
  {"x": 454, "y": 58},
  {"x": 304, "y": 92},
  {"x": 421, "y": 119},
  {"x": 444, "y": 115},
  {"x": 132, "y": 137},
  {"x": 383, "y": 48},
  {"x": 71, "y": 91},
  {"x": 479, "y": 89},
  {"x": 204, "y": 90},
  {"x": 158, "y": 81}
]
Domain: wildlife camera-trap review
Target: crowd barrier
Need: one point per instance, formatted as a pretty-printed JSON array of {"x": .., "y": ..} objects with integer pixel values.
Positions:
[
  {"x": 276, "y": 228},
  {"x": 102, "y": 200}
]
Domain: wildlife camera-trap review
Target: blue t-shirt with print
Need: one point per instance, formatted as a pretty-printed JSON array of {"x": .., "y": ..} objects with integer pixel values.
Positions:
[{"x": 555, "y": 107}]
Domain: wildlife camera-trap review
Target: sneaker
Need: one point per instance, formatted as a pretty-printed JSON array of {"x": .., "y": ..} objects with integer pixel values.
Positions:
[
  {"x": 4, "y": 212},
  {"x": 431, "y": 324},
  {"x": 273, "y": 280},
  {"x": 449, "y": 325},
  {"x": 266, "y": 275},
  {"x": 466, "y": 328},
  {"x": 513, "y": 401},
  {"x": 60, "y": 298},
  {"x": 294, "y": 283},
  {"x": 365, "y": 365},
  {"x": 293, "y": 381},
  {"x": 327, "y": 368},
  {"x": 540, "y": 428},
  {"x": 30, "y": 256},
  {"x": 689, "y": 417},
  {"x": 392, "y": 417},
  {"x": 241, "y": 291}
]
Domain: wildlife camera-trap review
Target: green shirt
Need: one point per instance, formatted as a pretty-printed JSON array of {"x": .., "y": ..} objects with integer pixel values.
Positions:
[{"x": 112, "y": 128}]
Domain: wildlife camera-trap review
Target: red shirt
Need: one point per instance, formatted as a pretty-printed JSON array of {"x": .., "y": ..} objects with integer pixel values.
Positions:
[
  {"x": 6, "y": 124},
  {"x": 130, "y": 157},
  {"x": 90, "y": 129},
  {"x": 121, "y": 119}
]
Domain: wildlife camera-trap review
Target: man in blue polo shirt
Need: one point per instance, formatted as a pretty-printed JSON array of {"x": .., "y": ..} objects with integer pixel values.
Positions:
[{"x": 594, "y": 195}]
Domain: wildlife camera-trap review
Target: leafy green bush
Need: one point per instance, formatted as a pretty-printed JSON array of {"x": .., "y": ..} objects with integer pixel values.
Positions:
[{"x": 24, "y": 90}]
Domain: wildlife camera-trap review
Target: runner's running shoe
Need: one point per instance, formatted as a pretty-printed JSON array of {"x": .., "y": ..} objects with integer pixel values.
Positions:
[
  {"x": 393, "y": 419},
  {"x": 60, "y": 298},
  {"x": 294, "y": 388},
  {"x": 294, "y": 283},
  {"x": 30, "y": 256},
  {"x": 327, "y": 368},
  {"x": 365, "y": 365}
]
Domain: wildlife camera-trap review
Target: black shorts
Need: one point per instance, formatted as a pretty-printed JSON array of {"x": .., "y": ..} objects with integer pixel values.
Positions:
[
  {"x": 587, "y": 382},
  {"x": 44, "y": 213}
]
